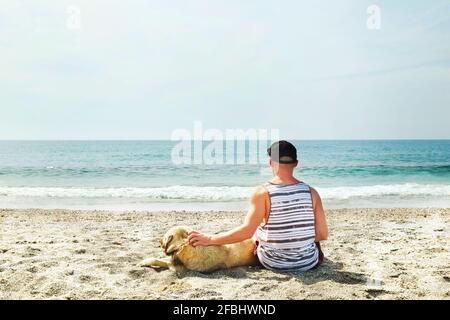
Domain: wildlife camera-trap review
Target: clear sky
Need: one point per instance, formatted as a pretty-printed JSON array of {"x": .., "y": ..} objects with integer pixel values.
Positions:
[{"x": 141, "y": 69}]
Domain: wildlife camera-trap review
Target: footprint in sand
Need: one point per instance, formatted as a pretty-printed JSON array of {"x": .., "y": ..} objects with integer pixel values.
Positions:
[
  {"x": 86, "y": 278},
  {"x": 138, "y": 273},
  {"x": 373, "y": 293},
  {"x": 49, "y": 264},
  {"x": 30, "y": 252},
  {"x": 33, "y": 269},
  {"x": 200, "y": 293}
]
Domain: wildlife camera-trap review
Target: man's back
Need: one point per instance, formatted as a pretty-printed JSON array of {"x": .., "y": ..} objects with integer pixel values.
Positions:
[{"x": 286, "y": 241}]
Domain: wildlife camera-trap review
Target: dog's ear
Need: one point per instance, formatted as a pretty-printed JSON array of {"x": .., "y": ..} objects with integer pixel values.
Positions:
[
  {"x": 166, "y": 244},
  {"x": 172, "y": 246}
]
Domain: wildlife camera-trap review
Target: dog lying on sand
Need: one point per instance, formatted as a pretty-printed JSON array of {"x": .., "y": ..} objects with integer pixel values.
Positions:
[{"x": 201, "y": 258}]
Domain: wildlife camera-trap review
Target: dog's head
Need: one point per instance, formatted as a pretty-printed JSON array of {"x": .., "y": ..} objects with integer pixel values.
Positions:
[{"x": 174, "y": 238}]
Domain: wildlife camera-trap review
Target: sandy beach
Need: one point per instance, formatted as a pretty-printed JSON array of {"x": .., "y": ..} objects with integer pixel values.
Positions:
[{"x": 371, "y": 254}]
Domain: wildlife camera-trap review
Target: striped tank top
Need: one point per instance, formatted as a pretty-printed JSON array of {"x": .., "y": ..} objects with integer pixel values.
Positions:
[{"x": 286, "y": 241}]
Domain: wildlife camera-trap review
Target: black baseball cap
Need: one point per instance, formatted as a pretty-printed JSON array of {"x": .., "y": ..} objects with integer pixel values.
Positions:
[{"x": 283, "y": 152}]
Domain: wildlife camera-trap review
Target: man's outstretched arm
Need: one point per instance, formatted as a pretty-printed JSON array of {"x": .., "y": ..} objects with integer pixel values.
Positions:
[{"x": 245, "y": 231}]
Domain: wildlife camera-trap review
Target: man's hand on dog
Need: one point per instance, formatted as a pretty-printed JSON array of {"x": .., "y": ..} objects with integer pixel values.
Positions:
[{"x": 196, "y": 238}]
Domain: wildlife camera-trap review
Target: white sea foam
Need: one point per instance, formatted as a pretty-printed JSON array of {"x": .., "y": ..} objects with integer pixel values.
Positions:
[
  {"x": 223, "y": 193},
  {"x": 399, "y": 190},
  {"x": 188, "y": 193}
]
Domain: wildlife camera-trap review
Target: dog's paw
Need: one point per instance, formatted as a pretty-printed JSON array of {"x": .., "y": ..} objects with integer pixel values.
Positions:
[
  {"x": 148, "y": 263},
  {"x": 155, "y": 263}
]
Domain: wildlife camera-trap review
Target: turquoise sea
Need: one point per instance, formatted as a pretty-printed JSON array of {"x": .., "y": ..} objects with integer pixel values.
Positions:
[{"x": 140, "y": 175}]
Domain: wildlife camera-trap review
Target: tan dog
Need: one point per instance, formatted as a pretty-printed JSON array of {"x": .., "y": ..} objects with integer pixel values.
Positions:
[{"x": 201, "y": 258}]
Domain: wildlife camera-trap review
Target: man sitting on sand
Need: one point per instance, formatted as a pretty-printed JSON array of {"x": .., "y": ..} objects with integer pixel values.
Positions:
[{"x": 286, "y": 218}]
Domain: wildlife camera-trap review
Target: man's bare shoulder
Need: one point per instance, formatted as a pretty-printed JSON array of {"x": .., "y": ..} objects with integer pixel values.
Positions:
[
  {"x": 260, "y": 192},
  {"x": 314, "y": 194}
]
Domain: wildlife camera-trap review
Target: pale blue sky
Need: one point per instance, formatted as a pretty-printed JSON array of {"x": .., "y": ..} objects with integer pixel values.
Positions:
[{"x": 140, "y": 69}]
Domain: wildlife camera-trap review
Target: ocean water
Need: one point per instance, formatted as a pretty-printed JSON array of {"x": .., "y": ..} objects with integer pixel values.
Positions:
[{"x": 140, "y": 175}]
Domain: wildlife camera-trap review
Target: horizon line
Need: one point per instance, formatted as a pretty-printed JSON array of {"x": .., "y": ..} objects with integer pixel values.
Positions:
[{"x": 290, "y": 139}]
